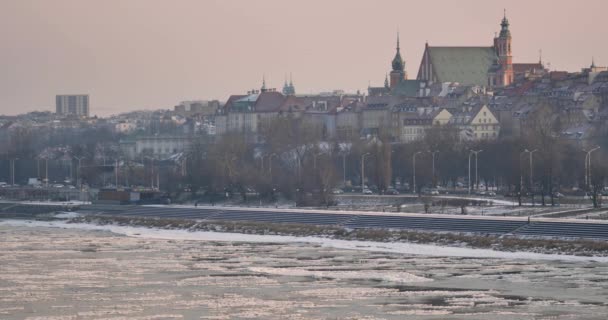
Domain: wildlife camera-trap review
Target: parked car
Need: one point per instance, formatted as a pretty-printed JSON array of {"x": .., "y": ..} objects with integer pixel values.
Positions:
[
  {"x": 391, "y": 191},
  {"x": 432, "y": 192},
  {"x": 367, "y": 191},
  {"x": 337, "y": 191}
]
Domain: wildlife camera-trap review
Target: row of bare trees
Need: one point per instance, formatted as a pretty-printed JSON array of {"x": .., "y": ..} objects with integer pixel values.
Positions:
[{"x": 291, "y": 157}]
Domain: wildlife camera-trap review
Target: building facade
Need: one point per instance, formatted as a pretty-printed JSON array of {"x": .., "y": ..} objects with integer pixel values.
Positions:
[
  {"x": 156, "y": 146},
  {"x": 476, "y": 123},
  {"x": 72, "y": 105}
]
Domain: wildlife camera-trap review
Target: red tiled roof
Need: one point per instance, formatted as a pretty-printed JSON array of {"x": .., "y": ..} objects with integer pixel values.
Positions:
[
  {"x": 520, "y": 68},
  {"x": 269, "y": 102},
  {"x": 520, "y": 90},
  {"x": 558, "y": 75},
  {"x": 293, "y": 104}
]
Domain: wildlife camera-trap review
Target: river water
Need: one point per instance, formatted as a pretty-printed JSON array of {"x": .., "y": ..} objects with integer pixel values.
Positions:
[{"x": 72, "y": 273}]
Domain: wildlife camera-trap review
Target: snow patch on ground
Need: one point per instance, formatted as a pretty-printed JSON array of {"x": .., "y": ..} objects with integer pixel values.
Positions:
[
  {"x": 67, "y": 215},
  {"x": 403, "y": 248}
]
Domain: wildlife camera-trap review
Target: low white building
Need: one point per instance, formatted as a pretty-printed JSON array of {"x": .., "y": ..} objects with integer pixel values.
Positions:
[
  {"x": 125, "y": 127},
  {"x": 157, "y": 146}
]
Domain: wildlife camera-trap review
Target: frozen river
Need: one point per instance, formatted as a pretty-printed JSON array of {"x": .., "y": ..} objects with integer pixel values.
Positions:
[{"x": 57, "y": 273}]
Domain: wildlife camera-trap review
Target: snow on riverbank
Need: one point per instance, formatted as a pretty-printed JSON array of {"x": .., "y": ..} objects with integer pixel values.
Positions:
[{"x": 403, "y": 248}]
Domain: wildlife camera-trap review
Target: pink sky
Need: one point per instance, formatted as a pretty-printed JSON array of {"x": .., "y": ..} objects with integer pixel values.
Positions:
[{"x": 148, "y": 54}]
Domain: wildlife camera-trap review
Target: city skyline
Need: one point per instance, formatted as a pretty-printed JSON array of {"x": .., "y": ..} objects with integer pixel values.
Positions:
[{"x": 150, "y": 55}]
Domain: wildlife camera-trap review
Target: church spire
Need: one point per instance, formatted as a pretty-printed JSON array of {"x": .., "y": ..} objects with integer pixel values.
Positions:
[
  {"x": 398, "y": 64},
  {"x": 504, "y": 31},
  {"x": 398, "y": 41},
  {"x": 592, "y": 62},
  {"x": 285, "y": 86},
  {"x": 288, "y": 88},
  {"x": 292, "y": 89},
  {"x": 386, "y": 85},
  {"x": 263, "y": 89}
]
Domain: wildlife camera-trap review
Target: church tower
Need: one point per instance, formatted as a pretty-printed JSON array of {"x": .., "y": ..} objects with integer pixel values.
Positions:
[
  {"x": 263, "y": 88},
  {"x": 398, "y": 73},
  {"x": 502, "y": 45},
  {"x": 289, "y": 89}
]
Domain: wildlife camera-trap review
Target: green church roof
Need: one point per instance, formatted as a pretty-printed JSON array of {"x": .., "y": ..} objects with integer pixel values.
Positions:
[
  {"x": 407, "y": 88},
  {"x": 465, "y": 65}
]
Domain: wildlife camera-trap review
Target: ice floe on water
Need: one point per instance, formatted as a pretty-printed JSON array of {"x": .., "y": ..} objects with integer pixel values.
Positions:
[
  {"x": 392, "y": 247},
  {"x": 397, "y": 277},
  {"x": 91, "y": 273}
]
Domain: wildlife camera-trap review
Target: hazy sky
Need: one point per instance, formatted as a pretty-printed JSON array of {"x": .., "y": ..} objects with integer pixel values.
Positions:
[{"x": 135, "y": 54}]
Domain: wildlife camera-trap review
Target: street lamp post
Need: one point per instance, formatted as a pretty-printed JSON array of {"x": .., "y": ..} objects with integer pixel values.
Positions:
[
  {"x": 299, "y": 163},
  {"x": 46, "y": 169},
  {"x": 414, "y": 165},
  {"x": 531, "y": 167},
  {"x": 128, "y": 167},
  {"x": 12, "y": 168},
  {"x": 185, "y": 166},
  {"x": 344, "y": 169},
  {"x": 469, "y": 181},
  {"x": 78, "y": 182},
  {"x": 521, "y": 177},
  {"x": 78, "y": 172},
  {"x": 531, "y": 173},
  {"x": 151, "y": 171},
  {"x": 363, "y": 172},
  {"x": 270, "y": 163},
  {"x": 476, "y": 153},
  {"x": 433, "y": 155},
  {"x": 71, "y": 170},
  {"x": 588, "y": 166}
]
